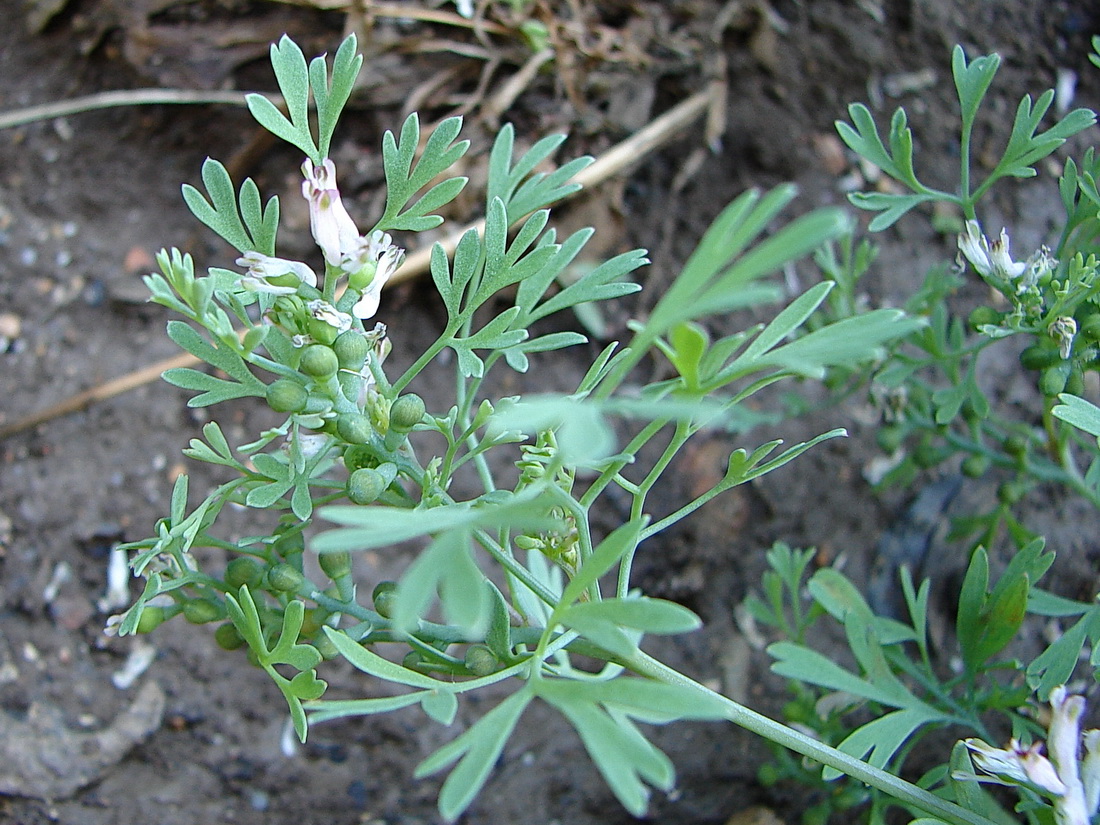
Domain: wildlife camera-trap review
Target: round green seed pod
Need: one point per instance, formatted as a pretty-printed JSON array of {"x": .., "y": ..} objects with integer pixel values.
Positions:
[
  {"x": 228, "y": 637},
  {"x": 351, "y": 349},
  {"x": 365, "y": 486},
  {"x": 286, "y": 396},
  {"x": 1053, "y": 380},
  {"x": 318, "y": 361},
  {"x": 1016, "y": 445},
  {"x": 243, "y": 570},
  {"x": 151, "y": 618},
  {"x": 312, "y": 621},
  {"x": 320, "y": 331},
  {"x": 1011, "y": 492},
  {"x": 335, "y": 565},
  {"x": 975, "y": 466},
  {"x": 354, "y": 428},
  {"x": 290, "y": 544},
  {"x": 201, "y": 611},
  {"x": 1075, "y": 384},
  {"x": 1037, "y": 357},
  {"x": 383, "y": 598},
  {"x": 927, "y": 455},
  {"x": 406, "y": 412},
  {"x": 481, "y": 661},
  {"x": 285, "y": 578}
]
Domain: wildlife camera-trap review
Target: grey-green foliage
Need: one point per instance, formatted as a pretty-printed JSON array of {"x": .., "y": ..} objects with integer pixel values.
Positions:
[
  {"x": 897, "y": 687},
  {"x": 511, "y": 583},
  {"x": 1026, "y": 144}
]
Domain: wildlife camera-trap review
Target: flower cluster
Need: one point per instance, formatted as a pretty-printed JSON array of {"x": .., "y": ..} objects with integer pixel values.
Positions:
[
  {"x": 368, "y": 261},
  {"x": 1071, "y": 782}
]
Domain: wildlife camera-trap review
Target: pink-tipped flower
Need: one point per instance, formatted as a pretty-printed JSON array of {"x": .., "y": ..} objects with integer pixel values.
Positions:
[
  {"x": 332, "y": 226},
  {"x": 274, "y": 275}
]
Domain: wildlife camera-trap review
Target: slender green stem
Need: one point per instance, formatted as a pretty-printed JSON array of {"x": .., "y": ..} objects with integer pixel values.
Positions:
[{"x": 761, "y": 725}]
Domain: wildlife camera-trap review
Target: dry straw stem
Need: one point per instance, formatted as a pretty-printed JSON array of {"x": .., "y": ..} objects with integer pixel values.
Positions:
[{"x": 615, "y": 160}]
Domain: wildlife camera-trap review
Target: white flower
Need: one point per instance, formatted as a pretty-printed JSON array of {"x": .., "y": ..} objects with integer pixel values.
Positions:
[
  {"x": 332, "y": 226},
  {"x": 378, "y": 252},
  {"x": 1017, "y": 764},
  {"x": 1060, "y": 776},
  {"x": 274, "y": 275},
  {"x": 989, "y": 258},
  {"x": 327, "y": 313}
]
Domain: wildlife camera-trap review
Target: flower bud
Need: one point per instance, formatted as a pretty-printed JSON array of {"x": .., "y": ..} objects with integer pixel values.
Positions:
[
  {"x": 151, "y": 618},
  {"x": 351, "y": 349},
  {"x": 365, "y": 486},
  {"x": 406, "y": 412},
  {"x": 318, "y": 361},
  {"x": 284, "y": 578},
  {"x": 243, "y": 570},
  {"x": 228, "y": 637},
  {"x": 383, "y": 598},
  {"x": 286, "y": 396},
  {"x": 354, "y": 428},
  {"x": 481, "y": 661},
  {"x": 201, "y": 611},
  {"x": 336, "y": 565}
]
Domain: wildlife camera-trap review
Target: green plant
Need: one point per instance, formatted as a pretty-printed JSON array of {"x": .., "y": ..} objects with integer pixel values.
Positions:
[{"x": 353, "y": 433}]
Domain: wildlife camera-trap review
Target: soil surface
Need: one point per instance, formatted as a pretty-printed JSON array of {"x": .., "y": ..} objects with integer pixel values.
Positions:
[{"x": 87, "y": 199}]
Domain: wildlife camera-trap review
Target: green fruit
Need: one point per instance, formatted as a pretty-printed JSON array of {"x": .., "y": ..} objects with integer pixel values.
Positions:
[
  {"x": 975, "y": 466},
  {"x": 312, "y": 621},
  {"x": 927, "y": 455},
  {"x": 481, "y": 661},
  {"x": 228, "y": 637},
  {"x": 351, "y": 349},
  {"x": 286, "y": 396},
  {"x": 201, "y": 611},
  {"x": 354, "y": 428},
  {"x": 243, "y": 570},
  {"x": 383, "y": 598},
  {"x": 1037, "y": 357},
  {"x": 335, "y": 565},
  {"x": 151, "y": 618},
  {"x": 321, "y": 331},
  {"x": 291, "y": 544},
  {"x": 406, "y": 412},
  {"x": 365, "y": 486},
  {"x": 1016, "y": 445},
  {"x": 983, "y": 316},
  {"x": 318, "y": 361},
  {"x": 1075, "y": 384},
  {"x": 285, "y": 578},
  {"x": 1053, "y": 380},
  {"x": 1011, "y": 492}
]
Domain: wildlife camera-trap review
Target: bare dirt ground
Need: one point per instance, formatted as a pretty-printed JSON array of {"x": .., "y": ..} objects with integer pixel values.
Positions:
[{"x": 85, "y": 200}]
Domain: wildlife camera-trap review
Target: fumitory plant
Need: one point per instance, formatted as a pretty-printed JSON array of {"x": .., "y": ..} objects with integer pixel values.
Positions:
[
  {"x": 935, "y": 407},
  {"x": 511, "y": 586}
]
